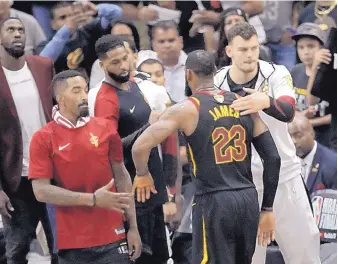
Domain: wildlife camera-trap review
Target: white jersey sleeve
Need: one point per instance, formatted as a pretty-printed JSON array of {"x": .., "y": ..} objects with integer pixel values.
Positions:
[{"x": 281, "y": 83}]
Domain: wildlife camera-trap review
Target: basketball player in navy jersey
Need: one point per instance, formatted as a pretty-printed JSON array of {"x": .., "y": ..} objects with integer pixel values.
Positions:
[{"x": 226, "y": 213}]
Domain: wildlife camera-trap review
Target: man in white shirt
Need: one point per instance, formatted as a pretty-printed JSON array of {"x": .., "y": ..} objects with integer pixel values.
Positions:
[
  {"x": 168, "y": 49},
  {"x": 319, "y": 164},
  {"x": 267, "y": 89}
]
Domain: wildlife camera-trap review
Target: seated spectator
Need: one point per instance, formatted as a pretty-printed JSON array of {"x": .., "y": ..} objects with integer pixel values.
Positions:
[
  {"x": 33, "y": 31},
  {"x": 319, "y": 164},
  {"x": 73, "y": 45},
  {"x": 168, "y": 49},
  {"x": 309, "y": 40},
  {"x": 123, "y": 29},
  {"x": 229, "y": 18}
]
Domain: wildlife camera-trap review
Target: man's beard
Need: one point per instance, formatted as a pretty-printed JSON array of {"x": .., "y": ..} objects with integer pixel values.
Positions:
[
  {"x": 84, "y": 111},
  {"x": 15, "y": 53},
  {"x": 188, "y": 91},
  {"x": 119, "y": 78}
]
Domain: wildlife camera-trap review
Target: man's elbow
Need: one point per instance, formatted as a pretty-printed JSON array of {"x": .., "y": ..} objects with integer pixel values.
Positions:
[{"x": 39, "y": 191}]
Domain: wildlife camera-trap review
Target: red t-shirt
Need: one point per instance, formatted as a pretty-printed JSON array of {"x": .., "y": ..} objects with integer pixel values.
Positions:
[{"x": 78, "y": 160}]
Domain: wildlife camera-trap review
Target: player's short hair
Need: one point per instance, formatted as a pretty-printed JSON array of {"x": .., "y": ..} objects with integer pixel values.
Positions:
[
  {"x": 107, "y": 43},
  {"x": 201, "y": 63},
  {"x": 165, "y": 25},
  {"x": 3, "y": 21},
  {"x": 61, "y": 78},
  {"x": 131, "y": 43},
  {"x": 149, "y": 62},
  {"x": 244, "y": 30},
  {"x": 58, "y": 5}
]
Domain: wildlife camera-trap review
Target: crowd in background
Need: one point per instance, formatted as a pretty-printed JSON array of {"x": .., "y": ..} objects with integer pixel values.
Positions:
[{"x": 291, "y": 33}]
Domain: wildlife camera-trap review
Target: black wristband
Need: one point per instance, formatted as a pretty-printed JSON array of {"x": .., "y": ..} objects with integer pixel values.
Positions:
[
  {"x": 94, "y": 200},
  {"x": 267, "y": 209}
]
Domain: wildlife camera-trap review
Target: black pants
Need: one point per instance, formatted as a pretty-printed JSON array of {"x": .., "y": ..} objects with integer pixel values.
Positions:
[
  {"x": 182, "y": 248},
  {"x": 20, "y": 230},
  {"x": 225, "y": 227},
  {"x": 151, "y": 227},
  {"x": 115, "y": 253}
]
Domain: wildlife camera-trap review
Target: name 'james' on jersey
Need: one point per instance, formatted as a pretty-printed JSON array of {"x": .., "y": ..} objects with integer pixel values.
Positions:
[{"x": 220, "y": 147}]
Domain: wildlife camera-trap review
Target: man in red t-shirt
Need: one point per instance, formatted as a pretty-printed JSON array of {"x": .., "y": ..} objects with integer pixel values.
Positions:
[{"x": 91, "y": 187}]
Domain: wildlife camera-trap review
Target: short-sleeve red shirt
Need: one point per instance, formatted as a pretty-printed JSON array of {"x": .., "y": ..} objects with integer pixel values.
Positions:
[{"x": 77, "y": 159}]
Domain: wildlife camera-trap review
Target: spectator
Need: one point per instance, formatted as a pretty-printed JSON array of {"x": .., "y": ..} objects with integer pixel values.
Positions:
[
  {"x": 168, "y": 45},
  {"x": 73, "y": 47},
  {"x": 323, "y": 13},
  {"x": 41, "y": 12},
  {"x": 309, "y": 40},
  {"x": 186, "y": 8},
  {"x": 26, "y": 105},
  {"x": 122, "y": 29},
  {"x": 229, "y": 18},
  {"x": 277, "y": 22},
  {"x": 155, "y": 69},
  {"x": 319, "y": 164},
  {"x": 33, "y": 31}
]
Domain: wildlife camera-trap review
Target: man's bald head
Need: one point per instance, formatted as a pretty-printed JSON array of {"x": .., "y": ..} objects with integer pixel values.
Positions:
[{"x": 302, "y": 134}]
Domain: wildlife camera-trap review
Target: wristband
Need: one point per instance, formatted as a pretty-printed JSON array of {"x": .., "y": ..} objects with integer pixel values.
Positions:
[
  {"x": 94, "y": 200},
  {"x": 267, "y": 209}
]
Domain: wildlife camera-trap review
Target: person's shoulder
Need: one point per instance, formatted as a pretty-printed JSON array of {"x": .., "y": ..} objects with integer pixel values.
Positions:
[
  {"x": 44, "y": 61},
  {"x": 104, "y": 125},
  {"x": 220, "y": 76},
  {"x": 44, "y": 132},
  {"x": 273, "y": 70},
  {"x": 298, "y": 68},
  {"x": 329, "y": 154}
]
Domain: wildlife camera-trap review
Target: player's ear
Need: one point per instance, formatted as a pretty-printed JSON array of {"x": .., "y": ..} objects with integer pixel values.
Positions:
[
  {"x": 188, "y": 75},
  {"x": 101, "y": 64},
  {"x": 228, "y": 51}
]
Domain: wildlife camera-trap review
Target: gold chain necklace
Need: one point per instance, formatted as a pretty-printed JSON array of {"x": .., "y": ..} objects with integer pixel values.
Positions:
[{"x": 322, "y": 15}]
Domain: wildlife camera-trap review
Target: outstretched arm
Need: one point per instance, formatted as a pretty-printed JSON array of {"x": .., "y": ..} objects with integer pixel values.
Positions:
[
  {"x": 168, "y": 123},
  {"x": 182, "y": 116}
]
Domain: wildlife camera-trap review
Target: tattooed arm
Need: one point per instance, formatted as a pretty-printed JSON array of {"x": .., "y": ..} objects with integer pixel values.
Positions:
[{"x": 182, "y": 116}]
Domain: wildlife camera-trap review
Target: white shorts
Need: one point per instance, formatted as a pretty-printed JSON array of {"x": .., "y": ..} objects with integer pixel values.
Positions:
[{"x": 296, "y": 231}]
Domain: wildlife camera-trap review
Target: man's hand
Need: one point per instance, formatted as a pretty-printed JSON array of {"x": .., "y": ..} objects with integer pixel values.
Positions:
[
  {"x": 143, "y": 185},
  {"x": 203, "y": 16},
  {"x": 252, "y": 103},
  {"x": 266, "y": 228},
  {"x": 134, "y": 243},
  {"x": 112, "y": 200},
  {"x": 147, "y": 14},
  {"x": 309, "y": 112},
  {"x": 169, "y": 211},
  {"x": 321, "y": 56},
  {"x": 5, "y": 205}
]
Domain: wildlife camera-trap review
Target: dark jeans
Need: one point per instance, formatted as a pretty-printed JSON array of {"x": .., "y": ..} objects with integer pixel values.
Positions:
[
  {"x": 115, "y": 253},
  {"x": 19, "y": 231}
]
